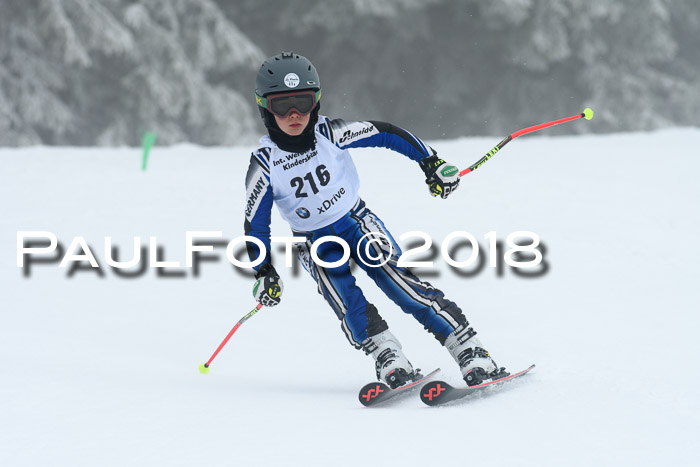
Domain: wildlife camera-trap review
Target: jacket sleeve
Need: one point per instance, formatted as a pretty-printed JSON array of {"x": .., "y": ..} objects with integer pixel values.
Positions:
[
  {"x": 258, "y": 208},
  {"x": 364, "y": 134}
]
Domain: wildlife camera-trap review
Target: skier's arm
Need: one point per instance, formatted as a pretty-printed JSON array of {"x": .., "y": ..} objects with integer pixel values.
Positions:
[
  {"x": 364, "y": 134},
  {"x": 268, "y": 286},
  {"x": 441, "y": 178},
  {"x": 258, "y": 208}
]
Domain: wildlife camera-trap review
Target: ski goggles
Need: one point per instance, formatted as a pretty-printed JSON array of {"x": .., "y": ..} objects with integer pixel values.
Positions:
[{"x": 282, "y": 103}]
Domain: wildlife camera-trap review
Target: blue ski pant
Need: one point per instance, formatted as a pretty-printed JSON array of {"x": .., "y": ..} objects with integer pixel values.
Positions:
[{"x": 360, "y": 319}]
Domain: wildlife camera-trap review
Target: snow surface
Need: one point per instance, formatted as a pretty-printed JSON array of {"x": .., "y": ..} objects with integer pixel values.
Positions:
[{"x": 103, "y": 370}]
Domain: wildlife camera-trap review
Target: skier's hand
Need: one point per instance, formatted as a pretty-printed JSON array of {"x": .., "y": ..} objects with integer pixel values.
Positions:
[
  {"x": 442, "y": 178},
  {"x": 268, "y": 286}
]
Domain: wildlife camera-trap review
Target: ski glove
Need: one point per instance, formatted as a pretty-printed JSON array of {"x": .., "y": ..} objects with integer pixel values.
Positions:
[
  {"x": 441, "y": 177},
  {"x": 268, "y": 286}
]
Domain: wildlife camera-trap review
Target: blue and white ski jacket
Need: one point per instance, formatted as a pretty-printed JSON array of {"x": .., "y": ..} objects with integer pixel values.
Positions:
[{"x": 315, "y": 188}]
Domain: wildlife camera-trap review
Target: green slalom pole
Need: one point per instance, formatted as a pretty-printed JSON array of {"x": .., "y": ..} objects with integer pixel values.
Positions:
[{"x": 587, "y": 114}]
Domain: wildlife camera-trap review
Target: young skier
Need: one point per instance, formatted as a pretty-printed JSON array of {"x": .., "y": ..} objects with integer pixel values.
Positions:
[{"x": 304, "y": 167}]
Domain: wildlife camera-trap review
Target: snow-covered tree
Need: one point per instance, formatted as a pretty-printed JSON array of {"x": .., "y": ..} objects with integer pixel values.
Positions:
[
  {"x": 45, "y": 47},
  {"x": 104, "y": 72},
  {"x": 182, "y": 83},
  {"x": 450, "y": 68}
]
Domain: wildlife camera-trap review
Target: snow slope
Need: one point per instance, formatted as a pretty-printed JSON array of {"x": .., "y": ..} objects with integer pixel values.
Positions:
[{"x": 102, "y": 370}]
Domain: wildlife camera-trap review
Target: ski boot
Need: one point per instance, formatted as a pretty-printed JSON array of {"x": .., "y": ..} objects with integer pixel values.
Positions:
[
  {"x": 474, "y": 361},
  {"x": 393, "y": 368}
]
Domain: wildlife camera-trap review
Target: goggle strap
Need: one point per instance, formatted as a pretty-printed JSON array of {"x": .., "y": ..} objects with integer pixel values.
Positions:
[{"x": 262, "y": 101}]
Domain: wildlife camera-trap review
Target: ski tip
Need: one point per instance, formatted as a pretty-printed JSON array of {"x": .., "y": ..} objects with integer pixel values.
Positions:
[
  {"x": 376, "y": 393},
  {"x": 371, "y": 391},
  {"x": 588, "y": 113},
  {"x": 431, "y": 392}
]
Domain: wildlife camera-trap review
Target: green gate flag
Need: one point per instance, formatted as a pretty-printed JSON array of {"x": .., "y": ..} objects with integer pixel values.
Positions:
[{"x": 149, "y": 139}]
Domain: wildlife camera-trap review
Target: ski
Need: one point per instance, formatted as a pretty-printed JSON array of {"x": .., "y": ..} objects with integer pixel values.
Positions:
[
  {"x": 373, "y": 394},
  {"x": 440, "y": 392}
]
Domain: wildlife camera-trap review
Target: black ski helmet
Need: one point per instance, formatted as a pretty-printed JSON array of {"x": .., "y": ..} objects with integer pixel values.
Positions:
[{"x": 286, "y": 72}]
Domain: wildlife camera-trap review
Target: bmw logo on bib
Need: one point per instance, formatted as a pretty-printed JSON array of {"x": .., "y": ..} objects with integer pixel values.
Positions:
[{"x": 303, "y": 213}]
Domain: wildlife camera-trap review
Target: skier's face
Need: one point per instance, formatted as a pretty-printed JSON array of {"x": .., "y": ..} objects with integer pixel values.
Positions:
[{"x": 294, "y": 123}]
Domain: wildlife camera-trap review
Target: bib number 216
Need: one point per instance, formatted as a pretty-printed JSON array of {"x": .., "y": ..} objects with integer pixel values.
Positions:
[{"x": 322, "y": 175}]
